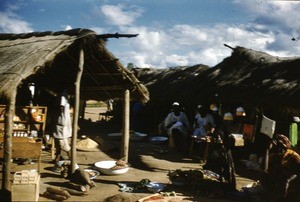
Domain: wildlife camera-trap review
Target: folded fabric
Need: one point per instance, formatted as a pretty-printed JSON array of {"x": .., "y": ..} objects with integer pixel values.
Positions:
[
  {"x": 294, "y": 134},
  {"x": 200, "y": 132},
  {"x": 267, "y": 126},
  {"x": 177, "y": 124}
]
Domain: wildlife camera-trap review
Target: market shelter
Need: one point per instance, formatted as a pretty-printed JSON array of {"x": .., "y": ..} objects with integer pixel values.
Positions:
[{"x": 76, "y": 60}]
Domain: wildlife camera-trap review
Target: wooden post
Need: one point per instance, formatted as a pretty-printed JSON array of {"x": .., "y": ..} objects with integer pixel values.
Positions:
[
  {"x": 9, "y": 114},
  {"x": 267, "y": 156},
  {"x": 126, "y": 126},
  {"x": 76, "y": 110}
]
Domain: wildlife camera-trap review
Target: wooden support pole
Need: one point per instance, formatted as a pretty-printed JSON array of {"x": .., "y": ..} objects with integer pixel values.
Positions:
[
  {"x": 126, "y": 126},
  {"x": 6, "y": 170},
  {"x": 76, "y": 110},
  {"x": 266, "y": 163}
]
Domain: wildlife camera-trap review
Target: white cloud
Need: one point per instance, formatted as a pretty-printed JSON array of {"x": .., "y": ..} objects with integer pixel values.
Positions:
[
  {"x": 273, "y": 25},
  {"x": 270, "y": 28},
  {"x": 189, "y": 45},
  {"x": 67, "y": 27},
  {"x": 10, "y": 23},
  {"x": 118, "y": 15},
  {"x": 99, "y": 30}
]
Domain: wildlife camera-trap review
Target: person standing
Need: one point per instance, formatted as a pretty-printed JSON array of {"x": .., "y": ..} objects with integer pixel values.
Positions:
[{"x": 62, "y": 129}]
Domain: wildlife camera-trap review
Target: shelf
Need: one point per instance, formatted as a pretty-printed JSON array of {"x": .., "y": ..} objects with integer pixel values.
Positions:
[{"x": 27, "y": 119}]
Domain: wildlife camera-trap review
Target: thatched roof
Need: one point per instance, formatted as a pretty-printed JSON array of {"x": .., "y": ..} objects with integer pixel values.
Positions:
[
  {"x": 166, "y": 86},
  {"x": 50, "y": 60},
  {"x": 247, "y": 78},
  {"x": 169, "y": 84},
  {"x": 256, "y": 79}
]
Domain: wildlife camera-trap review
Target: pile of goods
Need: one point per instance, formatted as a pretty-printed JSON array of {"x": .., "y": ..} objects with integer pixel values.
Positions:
[
  {"x": 120, "y": 164},
  {"x": 61, "y": 194},
  {"x": 79, "y": 184},
  {"x": 87, "y": 144},
  {"x": 201, "y": 182},
  {"x": 112, "y": 167}
]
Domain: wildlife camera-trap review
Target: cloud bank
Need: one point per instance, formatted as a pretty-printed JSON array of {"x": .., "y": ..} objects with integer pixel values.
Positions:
[
  {"x": 10, "y": 22},
  {"x": 271, "y": 28}
]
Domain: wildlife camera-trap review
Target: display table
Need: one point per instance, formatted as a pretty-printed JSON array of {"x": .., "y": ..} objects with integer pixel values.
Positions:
[
  {"x": 206, "y": 141},
  {"x": 23, "y": 147}
]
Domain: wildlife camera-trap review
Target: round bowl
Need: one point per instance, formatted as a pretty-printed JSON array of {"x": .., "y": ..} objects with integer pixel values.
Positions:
[
  {"x": 137, "y": 136},
  {"x": 155, "y": 187},
  {"x": 114, "y": 136},
  {"x": 134, "y": 136},
  {"x": 106, "y": 167},
  {"x": 92, "y": 173},
  {"x": 158, "y": 140}
]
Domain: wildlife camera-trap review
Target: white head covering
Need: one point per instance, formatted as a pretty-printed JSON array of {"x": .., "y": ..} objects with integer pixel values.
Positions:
[
  {"x": 228, "y": 116},
  {"x": 296, "y": 119},
  {"x": 175, "y": 104},
  {"x": 240, "y": 111}
]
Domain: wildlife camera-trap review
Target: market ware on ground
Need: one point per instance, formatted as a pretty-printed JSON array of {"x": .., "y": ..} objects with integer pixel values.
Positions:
[{"x": 87, "y": 145}]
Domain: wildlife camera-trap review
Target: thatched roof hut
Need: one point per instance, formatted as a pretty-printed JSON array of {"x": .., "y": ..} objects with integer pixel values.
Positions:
[
  {"x": 74, "y": 60},
  {"x": 166, "y": 86},
  {"x": 50, "y": 60},
  {"x": 247, "y": 78},
  {"x": 256, "y": 78}
]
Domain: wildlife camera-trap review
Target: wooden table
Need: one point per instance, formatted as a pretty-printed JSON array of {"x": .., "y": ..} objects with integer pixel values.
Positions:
[
  {"x": 206, "y": 140},
  {"x": 23, "y": 147}
]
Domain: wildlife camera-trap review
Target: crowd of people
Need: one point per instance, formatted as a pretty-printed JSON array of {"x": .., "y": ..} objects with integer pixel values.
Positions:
[
  {"x": 181, "y": 131},
  {"x": 283, "y": 160}
]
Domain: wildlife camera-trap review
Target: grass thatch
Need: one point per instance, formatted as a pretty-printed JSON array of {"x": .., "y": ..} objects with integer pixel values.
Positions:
[{"x": 50, "y": 60}]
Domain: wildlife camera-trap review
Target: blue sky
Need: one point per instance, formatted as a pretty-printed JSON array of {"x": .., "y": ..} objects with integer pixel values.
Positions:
[{"x": 171, "y": 32}]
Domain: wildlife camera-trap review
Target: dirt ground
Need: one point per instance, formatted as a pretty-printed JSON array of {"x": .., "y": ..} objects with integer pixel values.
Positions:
[{"x": 146, "y": 163}]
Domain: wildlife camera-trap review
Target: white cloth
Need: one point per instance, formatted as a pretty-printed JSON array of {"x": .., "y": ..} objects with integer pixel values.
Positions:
[
  {"x": 63, "y": 127},
  {"x": 267, "y": 126},
  {"x": 181, "y": 122}
]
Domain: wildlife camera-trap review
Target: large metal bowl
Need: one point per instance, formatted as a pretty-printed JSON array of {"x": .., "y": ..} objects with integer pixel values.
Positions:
[
  {"x": 106, "y": 167},
  {"x": 137, "y": 136},
  {"x": 155, "y": 187},
  {"x": 158, "y": 140},
  {"x": 134, "y": 136}
]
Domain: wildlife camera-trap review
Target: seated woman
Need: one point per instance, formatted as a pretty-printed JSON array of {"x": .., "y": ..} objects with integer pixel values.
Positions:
[
  {"x": 284, "y": 167},
  {"x": 204, "y": 125}
]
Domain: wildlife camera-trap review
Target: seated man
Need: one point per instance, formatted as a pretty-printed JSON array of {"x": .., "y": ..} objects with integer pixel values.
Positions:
[{"x": 177, "y": 126}]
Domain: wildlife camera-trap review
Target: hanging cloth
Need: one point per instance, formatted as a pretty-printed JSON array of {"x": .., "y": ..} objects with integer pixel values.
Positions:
[
  {"x": 248, "y": 131},
  {"x": 267, "y": 126},
  {"x": 293, "y": 133}
]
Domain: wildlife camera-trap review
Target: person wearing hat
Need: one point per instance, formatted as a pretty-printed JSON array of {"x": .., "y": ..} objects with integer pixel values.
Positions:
[
  {"x": 177, "y": 125},
  {"x": 284, "y": 167}
]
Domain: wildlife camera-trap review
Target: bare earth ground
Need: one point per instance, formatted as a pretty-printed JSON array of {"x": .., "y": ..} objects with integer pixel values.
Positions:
[{"x": 146, "y": 163}]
